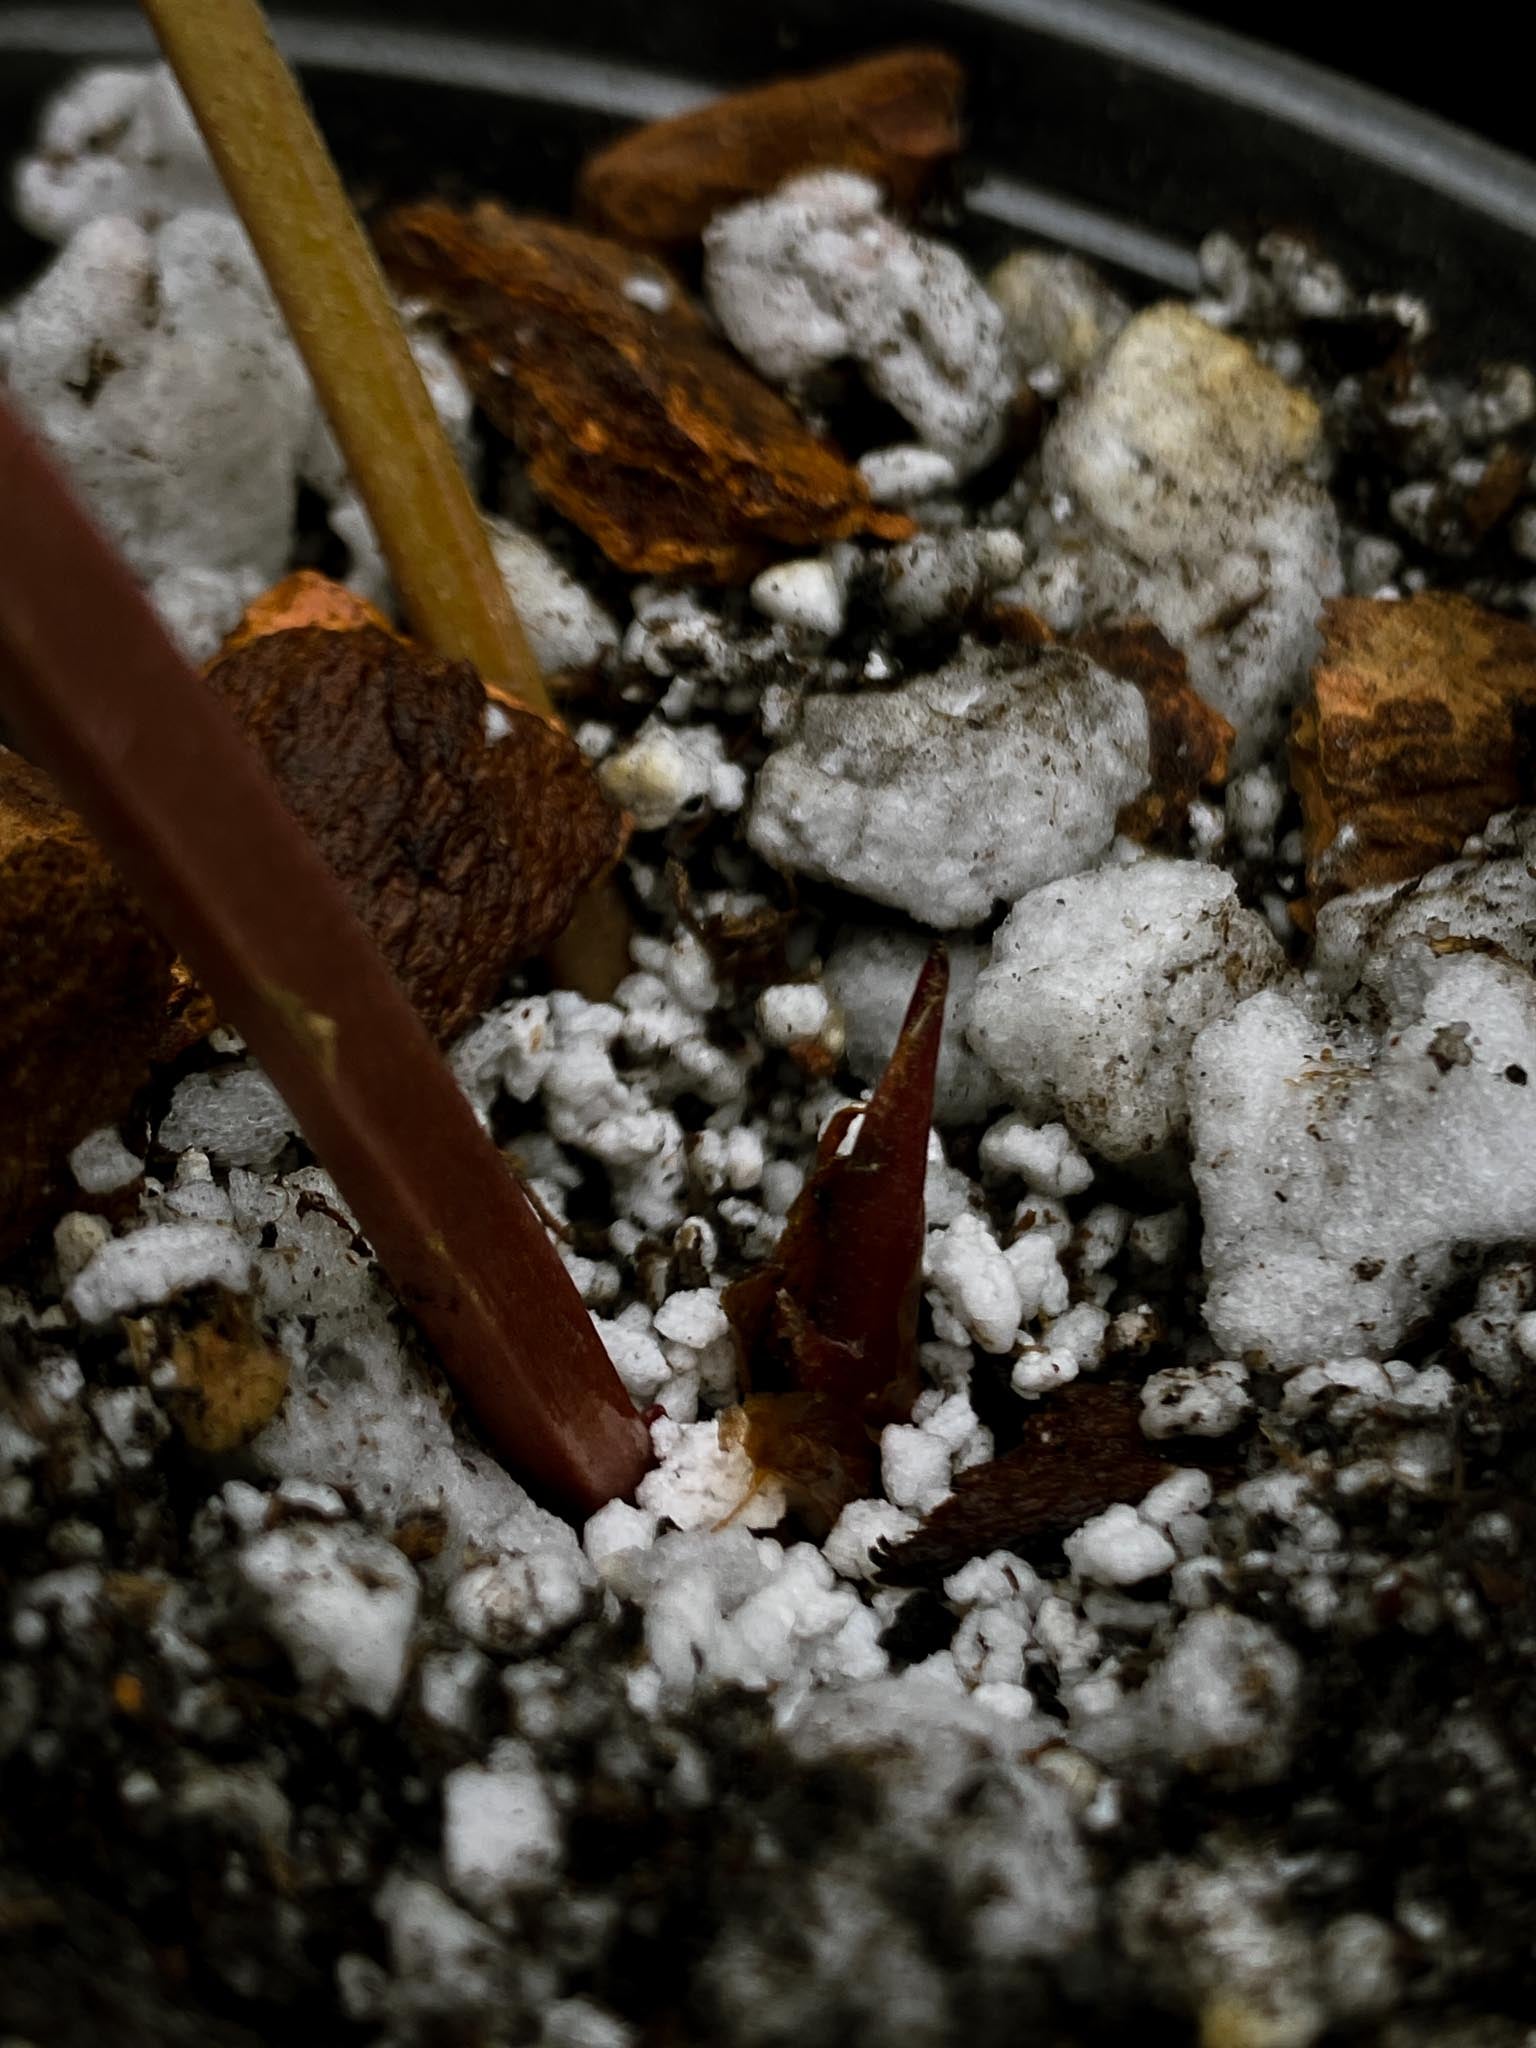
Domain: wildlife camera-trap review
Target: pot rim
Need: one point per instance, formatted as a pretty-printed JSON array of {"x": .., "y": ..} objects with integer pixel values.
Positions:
[{"x": 1418, "y": 148}]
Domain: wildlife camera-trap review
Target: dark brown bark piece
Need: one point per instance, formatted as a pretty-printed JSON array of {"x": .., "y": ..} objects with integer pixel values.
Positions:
[
  {"x": 828, "y": 1326},
  {"x": 87, "y": 979},
  {"x": 1413, "y": 736},
  {"x": 895, "y": 117},
  {"x": 1083, "y": 1451},
  {"x": 1190, "y": 740},
  {"x": 462, "y": 857},
  {"x": 634, "y": 420}
]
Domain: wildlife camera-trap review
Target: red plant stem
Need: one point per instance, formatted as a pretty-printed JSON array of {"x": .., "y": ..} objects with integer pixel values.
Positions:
[
  {"x": 164, "y": 777},
  {"x": 879, "y": 1190}
]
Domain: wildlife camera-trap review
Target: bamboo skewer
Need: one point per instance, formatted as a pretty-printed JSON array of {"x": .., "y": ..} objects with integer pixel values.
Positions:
[
  {"x": 164, "y": 777},
  {"x": 323, "y": 274}
]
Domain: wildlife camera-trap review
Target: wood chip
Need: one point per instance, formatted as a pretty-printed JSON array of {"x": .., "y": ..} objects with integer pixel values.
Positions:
[
  {"x": 461, "y": 857},
  {"x": 894, "y": 117},
  {"x": 1083, "y": 1451},
  {"x": 87, "y": 980},
  {"x": 828, "y": 1326},
  {"x": 1191, "y": 741},
  {"x": 1415, "y": 733},
  {"x": 635, "y": 422}
]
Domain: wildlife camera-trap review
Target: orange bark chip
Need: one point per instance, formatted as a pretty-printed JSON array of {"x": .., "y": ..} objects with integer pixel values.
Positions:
[
  {"x": 1413, "y": 736},
  {"x": 635, "y": 422},
  {"x": 306, "y": 598}
]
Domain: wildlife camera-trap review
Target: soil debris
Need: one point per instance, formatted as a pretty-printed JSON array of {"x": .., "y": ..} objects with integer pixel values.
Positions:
[
  {"x": 1082, "y": 1451},
  {"x": 229, "y": 1382}
]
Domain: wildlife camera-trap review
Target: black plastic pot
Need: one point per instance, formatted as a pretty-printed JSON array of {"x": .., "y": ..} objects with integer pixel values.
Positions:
[{"x": 1120, "y": 130}]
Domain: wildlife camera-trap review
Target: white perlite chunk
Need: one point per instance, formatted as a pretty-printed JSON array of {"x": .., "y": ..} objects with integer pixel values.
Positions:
[
  {"x": 906, "y": 474},
  {"x": 234, "y": 1114},
  {"x": 102, "y": 1163},
  {"x": 870, "y": 975},
  {"x": 664, "y": 771},
  {"x": 792, "y": 1010},
  {"x": 1498, "y": 1335},
  {"x": 1060, "y": 313},
  {"x": 1118, "y": 1548},
  {"x": 1184, "y": 474},
  {"x": 971, "y": 1274},
  {"x": 364, "y": 1410},
  {"x": 723, "y": 1607},
  {"x": 939, "y": 576},
  {"x": 114, "y": 142},
  {"x": 698, "y": 1482},
  {"x": 1097, "y": 987},
  {"x": 954, "y": 1781},
  {"x": 152, "y": 1264},
  {"x": 517, "y": 1603},
  {"x": 860, "y": 1530},
  {"x": 1225, "y": 1697},
  {"x": 1341, "y": 1174},
  {"x": 914, "y": 1467},
  {"x": 137, "y": 343},
  {"x": 442, "y": 1958},
  {"x": 567, "y": 628},
  {"x": 818, "y": 272},
  {"x": 974, "y": 784},
  {"x": 806, "y": 595},
  {"x": 1045, "y": 1157},
  {"x": 1194, "y": 1400},
  {"x": 342, "y": 1603},
  {"x": 1389, "y": 938},
  {"x": 1222, "y": 1930},
  {"x": 501, "y": 1833}
]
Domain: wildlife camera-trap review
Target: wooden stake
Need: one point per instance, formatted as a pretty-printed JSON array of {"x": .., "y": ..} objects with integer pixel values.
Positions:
[
  {"x": 321, "y": 267},
  {"x": 323, "y": 273},
  {"x": 165, "y": 779}
]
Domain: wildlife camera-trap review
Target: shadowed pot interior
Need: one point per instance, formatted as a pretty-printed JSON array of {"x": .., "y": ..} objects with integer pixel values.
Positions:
[{"x": 1121, "y": 131}]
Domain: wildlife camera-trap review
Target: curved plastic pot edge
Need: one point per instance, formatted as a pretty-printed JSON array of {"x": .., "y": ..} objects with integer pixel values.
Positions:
[{"x": 1416, "y": 147}]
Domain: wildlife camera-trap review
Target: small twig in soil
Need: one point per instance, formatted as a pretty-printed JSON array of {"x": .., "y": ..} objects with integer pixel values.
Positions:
[
  {"x": 318, "y": 261},
  {"x": 165, "y": 779}
]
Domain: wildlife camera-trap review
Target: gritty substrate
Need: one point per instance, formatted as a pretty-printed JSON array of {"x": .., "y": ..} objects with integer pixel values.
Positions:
[{"x": 336, "y": 1735}]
